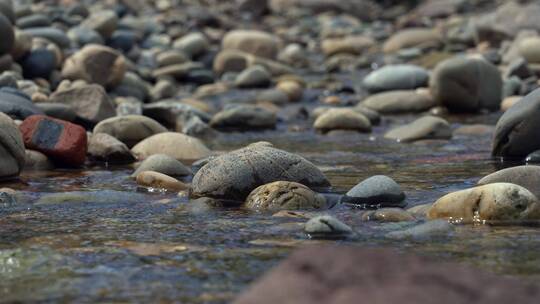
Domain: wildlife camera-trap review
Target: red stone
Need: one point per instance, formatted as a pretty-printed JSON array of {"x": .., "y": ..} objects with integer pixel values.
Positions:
[{"x": 62, "y": 141}]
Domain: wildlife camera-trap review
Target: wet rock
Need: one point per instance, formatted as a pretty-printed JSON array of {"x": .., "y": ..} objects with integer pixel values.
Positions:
[
  {"x": 163, "y": 164},
  {"x": 396, "y": 102},
  {"x": 378, "y": 190},
  {"x": 96, "y": 64},
  {"x": 7, "y": 36},
  {"x": 284, "y": 196},
  {"x": 17, "y": 104},
  {"x": 235, "y": 174},
  {"x": 258, "y": 43},
  {"x": 427, "y": 127},
  {"x": 12, "y": 155},
  {"x": 342, "y": 119},
  {"x": 62, "y": 141},
  {"x": 527, "y": 177},
  {"x": 161, "y": 181},
  {"x": 90, "y": 102},
  {"x": 396, "y": 77},
  {"x": 105, "y": 148},
  {"x": 423, "y": 232},
  {"x": 350, "y": 45},
  {"x": 388, "y": 215},
  {"x": 423, "y": 38},
  {"x": 58, "y": 110},
  {"x": 130, "y": 129},
  {"x": 492, "y": 202},
  {"x": 36, "y": 160},
  {"x": 516, "y": 130},
  {"x": 466, "y": 85},
  {"x": 52, "y": 34},
  {"x": 253, "y": 77},
  {"x": 327, "y": 227},
  {"x": 193, "y": 44},
  {"x": 244, "y": 117},
  {"x": 175, "y": 145}
]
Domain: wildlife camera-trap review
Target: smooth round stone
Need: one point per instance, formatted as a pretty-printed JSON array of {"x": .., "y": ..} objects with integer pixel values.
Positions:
[
  {"x": 234, "y": 175},
  {"x": 342, "y": 119},
  {"x": 253, "y": 42},
  {"x": 397, "y": 102},
  {"x": 294, "y": 54},
  {"x": 396, "y": 77},
  {"x": 373, "y": 116},
  {"x": 427, "y": 127},
  {"x": 7, "y": 35},
  {"x": 96, "y": 64},
  {"x": 376, "y": 191},
  {"x": 161, "y": 181},
  {"x": 193, "y": 44},
  {"x": 253, "y": 77},
  {"x": 35, "y": 20},
  {"x": 50, "y": 33},
  {"x": 171, "y": 57},
  {"x": 293, "y": 89},
  {"x": 123, "y": 40},
  {"x": 349, "y": 45},
  {"x": 40, "y": 63},
  {"x": 58, "y": 110},
  {"x": 17, "y": 104},
  {"x": 517, "y": 129},
  {"x": 245, "y": 117},
  {"x": 274, "y": 96},
  {"x": 388, "y": 215},
  {"x": 466, "y": 85},
  {"x": 326, "y": 226},
  {"x": 35, "y": 160},
  {"x": 163, "y": 164},
  {"x": 492, "y": 202},
  {"x": 230, "y": 61},
  {"x": 104, "y": 22},
  {"x": 284, "y": 196},
  {"x": 12, "y": 152},
  {"x": 83, "y": 36},
  {"x": 105, "y": 148},
  {"x": 414, "y": 37},
  {"x": 176, "y": 145},
  {"x": 527, "y": 177}
]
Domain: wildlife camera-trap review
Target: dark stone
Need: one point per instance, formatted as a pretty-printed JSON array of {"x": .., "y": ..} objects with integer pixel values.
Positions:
[
  {"x": 17, "y": 104},
  {"x": 39, "y": 63}
]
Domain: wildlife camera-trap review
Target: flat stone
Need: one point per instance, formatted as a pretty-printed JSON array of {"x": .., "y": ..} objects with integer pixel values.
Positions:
[
  {"x": 342, "y": 119},
  {"x": 396, "y": 77},
  {"x": 413, "y": 37},
  {"x": 397, "y": 102},
  {"x": 427, "y": 127}
]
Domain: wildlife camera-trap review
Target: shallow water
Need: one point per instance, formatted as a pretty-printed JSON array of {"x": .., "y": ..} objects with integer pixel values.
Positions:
[{"x": 130, "y": 245}]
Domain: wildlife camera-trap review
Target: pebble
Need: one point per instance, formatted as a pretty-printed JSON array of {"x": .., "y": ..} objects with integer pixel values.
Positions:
[
  {"x": 244, "y": 117},
  {"x": 130, "y": 129},
  {"x": 413, "y": 37},
  {"x": 158, "y": 180},
  {"x": 253, "y": 77},
  {"x": 62, "y": 141},
  {"x": 254, "y": 42},
  {"x": 376, "y": 191},
  {"x": 427, "y": 127},
  {"x": 284, "y": 196},
  {"x": 342, "y": 119},
  {"x": 327, "y": 227},
  {"x": 175, "y": 145},
  {"x": 103, "y": 147},
  {"x": 164, "y": 164},
  {"x": 388, "y": 215},
  {"x": 492, "y": 202},
  {"x": 12, "y": 151},
  {"x": 398, "y": 102},
  {"x": 396, "y": 77}
]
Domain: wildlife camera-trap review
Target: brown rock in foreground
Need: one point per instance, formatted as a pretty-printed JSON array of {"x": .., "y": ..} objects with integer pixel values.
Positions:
[{"x": 342, "y": 275}]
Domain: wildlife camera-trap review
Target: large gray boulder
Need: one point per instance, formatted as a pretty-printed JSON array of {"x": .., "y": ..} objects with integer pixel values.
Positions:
[{"x": 234, "y": 175}]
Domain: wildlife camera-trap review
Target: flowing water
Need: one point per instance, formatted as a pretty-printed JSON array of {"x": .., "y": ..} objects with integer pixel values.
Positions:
[{"x": 107, "y": 240}]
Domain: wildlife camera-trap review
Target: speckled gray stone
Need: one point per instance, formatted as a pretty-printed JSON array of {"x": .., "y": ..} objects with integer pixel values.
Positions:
[{"x": 326, "y": 226}]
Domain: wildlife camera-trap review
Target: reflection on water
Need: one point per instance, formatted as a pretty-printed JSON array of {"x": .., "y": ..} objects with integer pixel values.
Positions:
[{"x": 124, "y": 245}]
